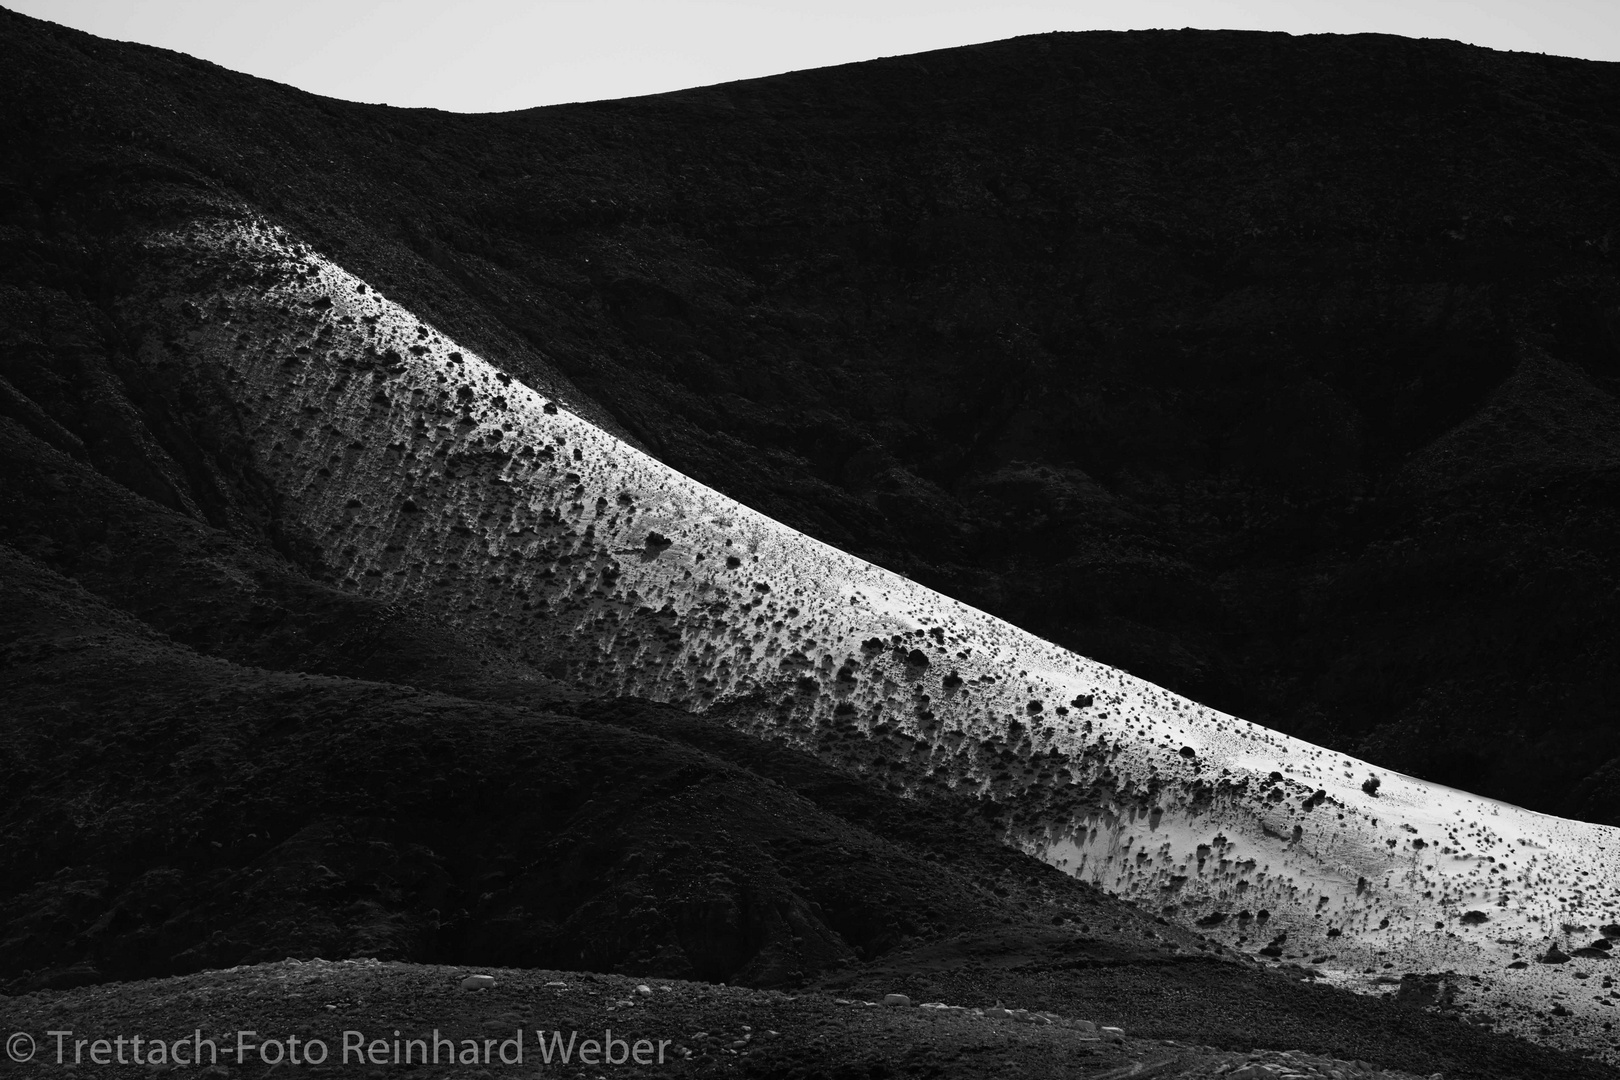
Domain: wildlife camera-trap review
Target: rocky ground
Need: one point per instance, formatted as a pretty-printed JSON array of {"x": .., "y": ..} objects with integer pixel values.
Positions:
[{"x": 677, "y": 1028}]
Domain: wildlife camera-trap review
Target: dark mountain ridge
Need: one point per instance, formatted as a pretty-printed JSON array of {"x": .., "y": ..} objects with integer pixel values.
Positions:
[{"x": 1128, "y": 338}]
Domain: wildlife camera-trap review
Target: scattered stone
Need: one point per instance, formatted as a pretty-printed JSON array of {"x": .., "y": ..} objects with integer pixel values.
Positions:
[
  {"x": 896, "y": 999},
  {"x": 478, "y": 982},
  {"x": 644, "y": 990},
  {"x": 1113, "y": 1034}
]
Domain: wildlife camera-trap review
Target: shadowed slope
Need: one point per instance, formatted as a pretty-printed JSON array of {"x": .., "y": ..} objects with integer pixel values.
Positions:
[
  {"x": 418, "y": 475},
  {"x": 172, "y": 812},
  {"x": 1122, "y": 337},
  {"x": 164, "y": 811}
]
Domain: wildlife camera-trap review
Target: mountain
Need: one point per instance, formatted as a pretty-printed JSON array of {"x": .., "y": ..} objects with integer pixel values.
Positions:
[
  {"x": 1125, "y": 338},
  {"x": 350, "y": 608}
]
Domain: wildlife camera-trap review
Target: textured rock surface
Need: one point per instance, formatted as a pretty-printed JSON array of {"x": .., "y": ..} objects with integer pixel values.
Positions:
[{"x": 711, "y": 1030}]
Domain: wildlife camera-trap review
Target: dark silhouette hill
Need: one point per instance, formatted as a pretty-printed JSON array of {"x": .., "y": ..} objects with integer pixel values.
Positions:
[{"x": 1180, "y": 349}]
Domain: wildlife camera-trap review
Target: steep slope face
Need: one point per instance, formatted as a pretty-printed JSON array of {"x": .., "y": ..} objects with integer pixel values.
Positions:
[
  {"x": 1125, "y": 338},
  {"x": 163, "y": 811},
  {"x": 418, "y": 474}
]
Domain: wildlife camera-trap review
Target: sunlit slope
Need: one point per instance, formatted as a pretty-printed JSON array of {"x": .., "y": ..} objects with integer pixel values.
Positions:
[{"x": 427, "y": 477}]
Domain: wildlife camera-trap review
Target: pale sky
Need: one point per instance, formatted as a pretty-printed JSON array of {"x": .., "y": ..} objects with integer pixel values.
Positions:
[{"x": 491, "y": 55}]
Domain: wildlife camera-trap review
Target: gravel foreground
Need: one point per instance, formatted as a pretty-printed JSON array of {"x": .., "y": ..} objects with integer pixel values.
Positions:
[{"x": 362, "y": 1016}]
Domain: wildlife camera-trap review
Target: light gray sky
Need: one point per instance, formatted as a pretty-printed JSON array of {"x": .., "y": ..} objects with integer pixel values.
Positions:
[{"x": 489, "y": 55}]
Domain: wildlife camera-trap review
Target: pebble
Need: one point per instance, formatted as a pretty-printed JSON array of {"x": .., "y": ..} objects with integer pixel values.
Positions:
[
  {"x": 1086, "y": 1028},
  {"x": 1293, "y": 1065}
]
